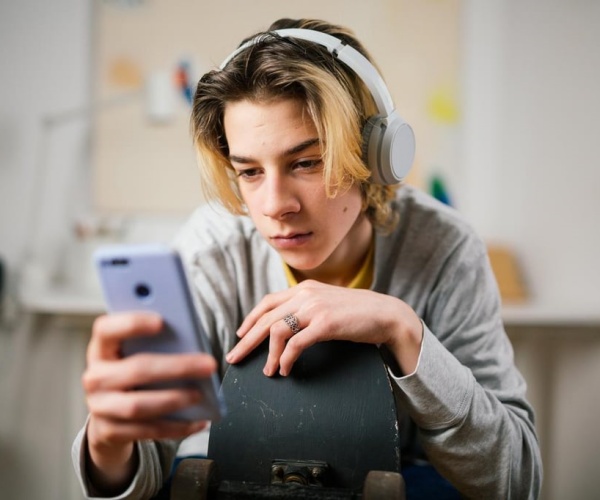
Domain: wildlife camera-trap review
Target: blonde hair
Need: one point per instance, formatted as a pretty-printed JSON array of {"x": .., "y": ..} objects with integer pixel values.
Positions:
[{"x": 334, "y": 97}]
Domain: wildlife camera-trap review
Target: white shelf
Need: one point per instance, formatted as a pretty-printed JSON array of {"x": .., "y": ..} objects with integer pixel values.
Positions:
[
  {"x": 62, "y": 300},
  {"x": 551, "y": 314}
]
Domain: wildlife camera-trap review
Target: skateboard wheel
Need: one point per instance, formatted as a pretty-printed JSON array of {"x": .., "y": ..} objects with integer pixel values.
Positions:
[
  {"x": 193, "y": 478},
  {"x": 382, "y": 485}
]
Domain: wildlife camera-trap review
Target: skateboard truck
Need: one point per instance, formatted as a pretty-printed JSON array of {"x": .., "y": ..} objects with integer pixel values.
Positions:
[{"x": 305, "y": 472}]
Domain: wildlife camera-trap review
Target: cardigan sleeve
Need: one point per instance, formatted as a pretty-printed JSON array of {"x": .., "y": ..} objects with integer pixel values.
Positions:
[
  {"x": 466, "y": 397},
  {"x": 155, "y": 459}
]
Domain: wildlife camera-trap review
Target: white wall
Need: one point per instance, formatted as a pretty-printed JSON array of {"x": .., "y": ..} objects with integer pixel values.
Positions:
[
  {"x": 44, "y": 61},
  {"x": 44, "y": 56},
  {"x": 532, "y": 109},
  {"x": 531, "y": 176}
]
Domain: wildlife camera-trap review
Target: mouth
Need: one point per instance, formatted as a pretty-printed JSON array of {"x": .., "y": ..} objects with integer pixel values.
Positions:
[{"x": 291, "y": 240}]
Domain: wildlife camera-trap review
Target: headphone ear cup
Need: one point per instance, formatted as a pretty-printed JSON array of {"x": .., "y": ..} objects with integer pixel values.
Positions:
[{"x": 388, "y": 148}]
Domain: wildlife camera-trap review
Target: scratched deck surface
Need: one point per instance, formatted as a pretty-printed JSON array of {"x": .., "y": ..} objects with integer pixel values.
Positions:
[{"x": 336, "y": 406}]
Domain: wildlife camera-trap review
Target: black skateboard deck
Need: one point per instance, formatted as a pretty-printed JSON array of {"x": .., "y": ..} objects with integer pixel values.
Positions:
[{"x": 329, "y": 423}]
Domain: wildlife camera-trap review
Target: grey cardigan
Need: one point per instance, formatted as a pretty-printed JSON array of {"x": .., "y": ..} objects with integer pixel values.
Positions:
[{"x": 464, "y": 409}]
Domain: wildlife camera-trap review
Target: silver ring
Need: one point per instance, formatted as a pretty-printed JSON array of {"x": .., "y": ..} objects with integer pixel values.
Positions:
[{"x": 291, "y": 321}]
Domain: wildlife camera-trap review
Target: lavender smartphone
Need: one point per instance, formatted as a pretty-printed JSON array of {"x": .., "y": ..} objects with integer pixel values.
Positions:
[{"x": 153, "y": 278}]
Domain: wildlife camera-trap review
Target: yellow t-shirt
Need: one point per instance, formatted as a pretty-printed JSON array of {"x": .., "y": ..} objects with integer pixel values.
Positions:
[{"x": 363, "y": 278}]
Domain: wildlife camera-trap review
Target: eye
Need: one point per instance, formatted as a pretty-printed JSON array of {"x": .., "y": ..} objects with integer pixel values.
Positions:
[
  {"x": 248, "y": 173},
  {"x": 309, "y": 164}
]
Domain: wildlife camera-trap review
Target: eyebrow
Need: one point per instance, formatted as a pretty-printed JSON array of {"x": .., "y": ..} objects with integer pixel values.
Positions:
[{"x": 292, "y": 151}]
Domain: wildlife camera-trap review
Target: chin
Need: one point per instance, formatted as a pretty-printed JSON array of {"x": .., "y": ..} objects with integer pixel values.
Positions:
[{"x": 302, "y": 265}]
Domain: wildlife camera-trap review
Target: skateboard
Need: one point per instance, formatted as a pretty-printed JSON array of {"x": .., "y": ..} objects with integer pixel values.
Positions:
[{"x": 328, "y": 430}]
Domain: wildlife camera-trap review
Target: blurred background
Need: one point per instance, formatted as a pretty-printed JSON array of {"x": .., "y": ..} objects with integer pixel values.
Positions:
[{"x": 94, "y": 148}]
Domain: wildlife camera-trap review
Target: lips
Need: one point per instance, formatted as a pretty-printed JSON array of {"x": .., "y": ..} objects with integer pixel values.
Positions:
[{"x": 292, "y": 240}]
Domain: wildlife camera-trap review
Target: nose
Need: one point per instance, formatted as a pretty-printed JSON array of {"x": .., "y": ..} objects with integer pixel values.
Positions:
[{"x": 280, "y": 199}]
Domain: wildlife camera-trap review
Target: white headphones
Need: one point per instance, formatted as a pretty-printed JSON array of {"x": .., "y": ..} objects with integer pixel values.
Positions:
[{"x": 388, "y": 141}]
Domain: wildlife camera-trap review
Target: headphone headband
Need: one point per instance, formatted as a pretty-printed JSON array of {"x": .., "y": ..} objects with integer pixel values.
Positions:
[
  {"x": 345, "y": 53},
  {"x": 388, "y": 141}
]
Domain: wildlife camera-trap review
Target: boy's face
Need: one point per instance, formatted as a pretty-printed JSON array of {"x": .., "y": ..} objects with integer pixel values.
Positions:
[{"x": 275, "y": 151}]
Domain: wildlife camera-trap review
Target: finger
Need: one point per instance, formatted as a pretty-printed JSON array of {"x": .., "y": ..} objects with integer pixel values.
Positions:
[
  {"x": 141, "y": 405},
  {"x": 250, "y": 340},
  {"x": 116, "y": 431},
  {"x": 144, "y": 368},
  {"x": 260, "y": 330},
  {"x": 267, "y": 304},
  {"x": 242, "y": 349},
  {"x": 280, "y": 333},
  {"x": 110, "y": 330},
  {"x": 295, "y": 346},
  {"x": 254, "y": 337}
]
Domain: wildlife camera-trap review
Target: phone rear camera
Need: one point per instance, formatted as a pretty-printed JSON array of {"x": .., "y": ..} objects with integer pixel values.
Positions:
[
  {"x": 119, "y": 262},
  {"x": 142, "y": 291}
]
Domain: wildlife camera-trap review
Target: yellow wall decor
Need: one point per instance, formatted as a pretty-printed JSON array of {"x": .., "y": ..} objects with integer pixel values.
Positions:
[{"x": 443, "y": 106}]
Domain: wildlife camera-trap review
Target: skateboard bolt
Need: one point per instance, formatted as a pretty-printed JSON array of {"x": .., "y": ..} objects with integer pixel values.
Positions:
[
  {"x": 316, "y": 472},
  {"x": 277, "y": 471}
]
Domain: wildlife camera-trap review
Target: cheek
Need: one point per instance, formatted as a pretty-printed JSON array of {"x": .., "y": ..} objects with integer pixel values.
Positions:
[
  {"x": 343, "y": 216},
  {"x": 248, "y": 197},
  {"x": 253, "y": 211},
  {"x": 251, "y": 205},
  {"x": 351, "y": 206},
  {"x": 351, "y": 212}
]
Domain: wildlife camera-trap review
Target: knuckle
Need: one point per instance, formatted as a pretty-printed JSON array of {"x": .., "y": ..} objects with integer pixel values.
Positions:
[
  {"x": 309, "y": 284},
  {"x": 263, "y": 323},
  {"x": 279, "y": 331},
  {"x": 131, "y": 322},
  {"x": 297, "y": 343},
  {"x": 139, "y": 368},
  {"x": 276, "y": 329},
  {"x": 98, "y": 325},
  {"x": 89, "y": 351},
  {"x": 269, "y": 299},
  {"x": 183, "y": 369},
  {"x": 90, "y": 402},
  {"x": 89, "y": 381},
  {"x": 308, "y": 296},
  {"x": 186, "y": 366},
  {"x": 131, "y": 409}
]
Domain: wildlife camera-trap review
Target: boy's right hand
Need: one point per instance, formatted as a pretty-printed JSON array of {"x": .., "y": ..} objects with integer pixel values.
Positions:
[{"x": 120, "y": 415}]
